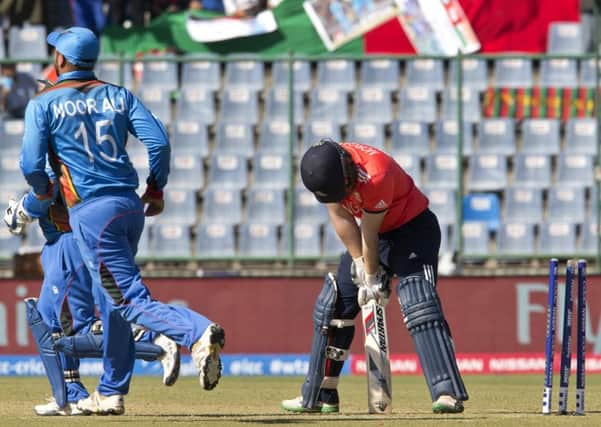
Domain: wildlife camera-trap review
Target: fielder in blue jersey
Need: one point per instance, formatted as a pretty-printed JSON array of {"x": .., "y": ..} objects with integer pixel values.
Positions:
[{"x": 81, "y": 124}]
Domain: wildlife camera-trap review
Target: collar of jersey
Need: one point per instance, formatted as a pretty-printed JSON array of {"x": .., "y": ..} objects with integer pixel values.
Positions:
[{"x": 76, "y": 75}]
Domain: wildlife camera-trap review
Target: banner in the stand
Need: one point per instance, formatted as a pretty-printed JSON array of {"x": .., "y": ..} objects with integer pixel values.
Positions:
[{"x": 208, "y": 30}]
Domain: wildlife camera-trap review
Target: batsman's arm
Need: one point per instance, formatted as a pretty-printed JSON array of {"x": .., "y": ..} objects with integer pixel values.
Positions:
[
  {"x": 370, "y": 227},
  {"x": 346, "y": 228},
  {"x": 35, "y": 149}
]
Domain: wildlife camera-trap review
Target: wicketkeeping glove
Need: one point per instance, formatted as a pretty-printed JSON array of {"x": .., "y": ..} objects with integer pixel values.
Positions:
[
  {"x": 154, "y": 198},
  {"x": 16, "y": 217}
]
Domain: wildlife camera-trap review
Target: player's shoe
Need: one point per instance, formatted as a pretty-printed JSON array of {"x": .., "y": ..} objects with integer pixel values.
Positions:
[
  {"x": 205, "y": 354},
  {"x": 170, "y": 359},
  {"x": 50, "y": 408},
  {"x": 296, "y": 405},
  {"x": 102, "y": 405},
  {"x": 446, "y": 404}
]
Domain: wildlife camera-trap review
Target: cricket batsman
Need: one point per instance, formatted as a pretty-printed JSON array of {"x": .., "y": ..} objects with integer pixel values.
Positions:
[
  {"x": 398, "y": 236},
  {"x": 81, "y": 124}
]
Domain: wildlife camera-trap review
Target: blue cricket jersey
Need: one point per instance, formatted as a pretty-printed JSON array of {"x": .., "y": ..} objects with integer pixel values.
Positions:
[{"x": 82, "y": 124}]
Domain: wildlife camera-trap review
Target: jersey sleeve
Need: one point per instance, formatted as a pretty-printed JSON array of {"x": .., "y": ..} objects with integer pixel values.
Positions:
[
  {"x": 378, "y": 193},
  {"x": 35, "y": 148},
  {"x": 148, "y": 129}
]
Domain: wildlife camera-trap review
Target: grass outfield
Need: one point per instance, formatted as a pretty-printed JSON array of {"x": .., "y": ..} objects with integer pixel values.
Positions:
[{"x": 243, "y": 401}]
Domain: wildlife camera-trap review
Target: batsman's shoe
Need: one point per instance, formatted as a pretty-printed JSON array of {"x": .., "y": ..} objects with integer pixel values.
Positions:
[
  {"x": 50, "y": 408},
  {"x": 102, "y": 405},
  {"x": 296, "y": 405},
  {"x": 205, "y": 353},
  {"x": 446, "y": 404},
  {"x": 170, "y": 359}
]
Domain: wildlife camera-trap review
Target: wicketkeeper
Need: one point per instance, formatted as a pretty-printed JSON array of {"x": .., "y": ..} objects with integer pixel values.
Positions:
[{"x": 399, "y": 236}]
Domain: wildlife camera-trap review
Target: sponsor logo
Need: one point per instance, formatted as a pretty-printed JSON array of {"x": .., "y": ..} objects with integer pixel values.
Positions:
[{"x": 381, "y": 329}]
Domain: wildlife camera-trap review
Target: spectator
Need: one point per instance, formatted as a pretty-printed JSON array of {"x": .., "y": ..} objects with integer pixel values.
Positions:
[{"x": 17, "y": 89}]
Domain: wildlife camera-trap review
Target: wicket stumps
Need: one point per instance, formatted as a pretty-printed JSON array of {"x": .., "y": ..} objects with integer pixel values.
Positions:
[{"x": 566, "y": 342}]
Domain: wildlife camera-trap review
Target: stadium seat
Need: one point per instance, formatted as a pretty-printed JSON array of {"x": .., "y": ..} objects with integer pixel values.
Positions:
[
  {"x": 307, "y": 240},
  {"x": 234, "y": 138},
  {"x": 239, "y": 105},
  {"x": 487, "y": 172},
  {"x": 475, "y": 238},
  {"x": 171, "y": 241},
  {"x": 446, "y": 137},
  {"x": 592, "y": 212},
  {"x": 575, "y": 170},
  {"x": 259, "y": 240},
  {"x": 513, "y": 73},
  {"x": 34, "y": 239},
  {"x": 160, "y": 74},
  {"x": 496, "y": 136},
  {"x": 274, "y": 136},
  {"x": 277, "y": 105},
  {"x": 540, "y": 136},
  {"x": 139, "y": 160},
  {"x": 380, "y": 73},
  {"x": 32, "y": 68},
  {"x": 565, "y": 38},
  {"x": 336, "y": 75},
  {"x": 441, "y": 171},
  {"x": 581, "y": 136},
  {"x": 474, "y": 71},
  {"x": 328, "y": 104},
  {"x": 482, "y": 207},
  {"x": 245, "y": 74},
  {"x": 470, "y": 105},
  {"x": 443, "y": 203},
  {"x": 200, "y": 72},
  {"x": 588, "y": 238},
  {"x": 27, "y": 42},
  {"x": 145, "y": 244},
  {"x": 332, "y": 245},
  {"x": 372, "y": 105},
  {"x": 566, "y": 205},
  {"x": 215, "y": 241},
  {"x": 302, "y": 75},
  {"x": 307, "y": 210},
  {"x": 11, "y": 134},
  {"x": 9, "y": 244},
  {"x": 158, "y": 101},
  {"x": 588, "y": 72},
  {"x": 523, "y": 205},
  {"x": 424, "y": 73},
  {"x": 557, "y": 238},
  {"x": 180, "y": 206},
  {"x": 516, "y": 238},
  {"x": 315, "y": 130},
  {"x": 187, "y": 171},
  {"x": 271, "y": 170},
  {"x": 532, "y": 171},
  {"x": 411, "y": 165},
  {"x": 108, "y": 69},
  {"x": 559, "y": 73},
  {"x": 367, "y": 133},
  {"x": 228, "y": 171},
  {"x": 417, "y": 104},
  {"x": 221, "y": 206},
  {"x": 410, "y": 137},
  {"x": 10, "y": 172},
  {"x": 266, "y": 206},
  {"x": 189, "y": 136},
  {"x": 196, "y": 104},
  {"x": 448, "y": 240},
  {"x": 2, "y": 44}
]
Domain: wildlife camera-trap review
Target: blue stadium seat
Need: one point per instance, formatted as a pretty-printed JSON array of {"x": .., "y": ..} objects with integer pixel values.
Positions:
[
  {"x": 145, "y": 244},
  {"x": 228, "y": 171},
  {"x": 482, "y": 207},
  {"x": 9, "y": 244},
  {"x": 234, "y": 138},
  {"x": 244, "y": 74},
  {"x": 259, "y": 240},
  {"x": 446, "y": 137},
  {"x": 196, "y": 104},
  {"x": 307, "y": 209},
  {"x": 34, "y": 69},
  {"x": 487, "y": 172},
  {"x": 332, "y": 245},
  {"x": 274, "y": 137},
  {"x": 202, "y": 73},
  {"x": 516, "y": 238},
  {"x": 410, "y": 137},
  {"x": 470, "y": 105},
  {"x": 215, "y": 241},
  {"x": 410, "y": 164},
  {"x": 10, "y": 172},
  {"x": 2, "y": 43},
  {"x": 588, "y": 238},
  {"x": 448, "y": 239},
  {"x": 108, "y": 69},
  {"x": 372, "y": 105},
  {"x": 221, "y": 206},
  {"x": 513, "y": 73},
  {"x": 34, "y": 240},
  {"x": 417, "y": 104},
  {"x": 475, "y": 238},
  {"x": 27, "y": 42},
  {"x": 276, "y": 105},
  {"x": 187, "y": 171},
  {"x": 239, "y": 105},
  {"x": 367, "y": 133},
  {"x": 591, "y": 213},
  {"x": 425, "y": 73},
  {"x": 139, "y": 160},
  {"x": 581, "y": 136},
  {"x": 523, "y": 205},
  {"x": 496, "y": 136},
  {"x": 557, "y": 238},
  {"x": 474, "y": 71},
  {"x": 575, "y": 170},
  {"x": 540, "y": 136},
  {"x": 443, "y": 203},
  {"x": 565, "y": 38},
  {"x": 180, "y": 207},
  {"x": 302, "y": 75},
  {"x": 328, "y": 104},
  {"x": 271, "y": 170},
  {"x": 380, "y": 73},
  {"x": 315, "y": 130},
  {"x": 307, "y": 240},
  {"x": 587, "y": 75},
  {"x": 171, "y": 241},
  {"x": 158, "y": 101},
  {"x": 532, "y": 171},
  {"x": 160, "y": 74},
  {"x": 441, "y": 171},
  {"x": 566, "y": 205},
  {"x": 266, "y": 206},
  {"x": 559, "y": 73},
  {"x": 336, "y": 74},
  {"x": 11, "y": 134},
  {"x": 189, "y": 136}
]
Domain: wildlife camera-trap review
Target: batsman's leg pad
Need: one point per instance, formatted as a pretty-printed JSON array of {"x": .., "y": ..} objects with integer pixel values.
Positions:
[
  {"x": 425, "y": 321},
  {"x": 50, "y": 358},
  {"x": 90, "y": 345}
]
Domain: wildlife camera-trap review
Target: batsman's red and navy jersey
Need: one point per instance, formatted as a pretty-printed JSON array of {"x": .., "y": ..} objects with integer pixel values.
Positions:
[{"x": 382, "y": 185}]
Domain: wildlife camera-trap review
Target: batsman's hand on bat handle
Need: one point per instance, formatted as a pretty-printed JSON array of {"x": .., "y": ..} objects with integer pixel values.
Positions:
[
  {"x": 374, "y": 287},
  {"x": 16, "y": 217},
  {"x": 153, "y": 197}
]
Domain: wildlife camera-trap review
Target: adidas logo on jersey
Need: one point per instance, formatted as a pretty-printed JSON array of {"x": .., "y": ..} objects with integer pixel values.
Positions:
[{"x": 381, "y": 205}]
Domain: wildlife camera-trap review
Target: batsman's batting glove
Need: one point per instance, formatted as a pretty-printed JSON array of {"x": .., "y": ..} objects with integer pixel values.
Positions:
[
  {"x": 153, "y": 197},
  {"x": 374, "y": 288},
  {"x": 16, "y": 217},
  {"x": 357, "y": 271}
]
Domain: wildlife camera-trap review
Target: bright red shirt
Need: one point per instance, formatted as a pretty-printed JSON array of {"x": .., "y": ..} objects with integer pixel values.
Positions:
[{"x": 382, "y": 185}]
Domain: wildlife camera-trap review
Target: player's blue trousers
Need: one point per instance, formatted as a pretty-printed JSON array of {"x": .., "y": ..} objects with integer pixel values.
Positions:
[{"x": 107, "y": 230}]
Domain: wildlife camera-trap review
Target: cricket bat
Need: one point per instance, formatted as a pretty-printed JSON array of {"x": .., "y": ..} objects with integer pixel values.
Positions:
[{"x": 379, "y": 384}]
